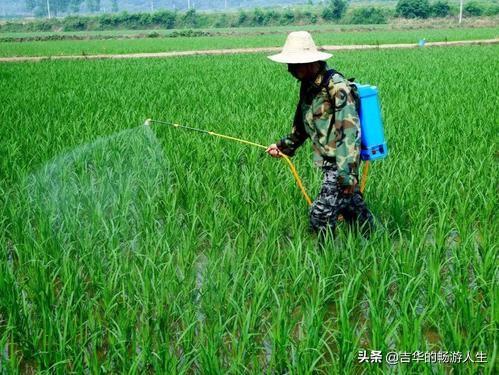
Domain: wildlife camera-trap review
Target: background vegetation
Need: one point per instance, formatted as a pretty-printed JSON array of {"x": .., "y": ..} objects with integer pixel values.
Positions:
[
  {"x": 191, "y": 40},
  {"x": 336, "y": 11}
]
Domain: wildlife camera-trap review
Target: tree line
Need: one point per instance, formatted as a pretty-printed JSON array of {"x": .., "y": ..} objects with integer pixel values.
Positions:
[
  {"x": 68, "y": 7},
  {"x": 331, "y": 11},
  {"x": 441, "y": 8}
]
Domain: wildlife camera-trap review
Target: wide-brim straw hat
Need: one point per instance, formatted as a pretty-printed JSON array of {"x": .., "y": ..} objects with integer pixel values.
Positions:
[{"x": 299, "y": 49}]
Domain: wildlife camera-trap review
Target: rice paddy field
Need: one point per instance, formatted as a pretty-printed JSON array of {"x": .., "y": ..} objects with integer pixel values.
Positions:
[
  {"x": 128, "y": 249},
  {"x": 238, "y": 40},
  {"x": 227, "y": 30}
]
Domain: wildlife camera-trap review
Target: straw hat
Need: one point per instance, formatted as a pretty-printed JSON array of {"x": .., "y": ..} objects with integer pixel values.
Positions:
[{"x": 299, "y": 49}]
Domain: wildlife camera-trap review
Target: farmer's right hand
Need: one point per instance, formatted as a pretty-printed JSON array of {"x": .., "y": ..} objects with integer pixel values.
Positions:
[{"x": 274, "y": 151}]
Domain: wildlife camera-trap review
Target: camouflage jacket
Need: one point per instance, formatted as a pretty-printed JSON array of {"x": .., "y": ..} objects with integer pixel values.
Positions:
[{"x": 335, "y": 136}]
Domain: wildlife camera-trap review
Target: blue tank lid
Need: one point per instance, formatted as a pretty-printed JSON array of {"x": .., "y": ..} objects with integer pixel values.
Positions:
[{"x": 367, "y": 90}]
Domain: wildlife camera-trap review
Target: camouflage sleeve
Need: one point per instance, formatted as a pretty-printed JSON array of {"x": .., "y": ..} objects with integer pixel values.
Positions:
[
  {"x": 347, "y": 127},
  {"x": 291, "y": 142}
]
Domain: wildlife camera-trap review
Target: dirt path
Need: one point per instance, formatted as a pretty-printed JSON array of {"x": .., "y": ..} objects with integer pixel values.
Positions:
[{"x": 242, "y": 50}]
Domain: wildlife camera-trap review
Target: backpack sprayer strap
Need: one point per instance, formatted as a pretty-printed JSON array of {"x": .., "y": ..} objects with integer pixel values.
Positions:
[{"x": 332, "y": 101}]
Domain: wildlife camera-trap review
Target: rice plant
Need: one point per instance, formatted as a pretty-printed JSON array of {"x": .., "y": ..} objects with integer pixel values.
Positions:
[{"x": 134, "y": 250}]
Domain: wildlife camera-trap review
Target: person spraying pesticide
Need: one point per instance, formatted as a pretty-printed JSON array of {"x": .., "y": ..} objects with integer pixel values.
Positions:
[{"x": 328, "y": 114}]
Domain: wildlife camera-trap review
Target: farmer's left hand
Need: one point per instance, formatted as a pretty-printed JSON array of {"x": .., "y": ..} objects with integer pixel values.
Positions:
[{"x": 274, "y": 151}]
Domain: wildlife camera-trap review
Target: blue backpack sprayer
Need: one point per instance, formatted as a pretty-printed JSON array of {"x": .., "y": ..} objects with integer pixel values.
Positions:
[{"x": 373, "y": 145}]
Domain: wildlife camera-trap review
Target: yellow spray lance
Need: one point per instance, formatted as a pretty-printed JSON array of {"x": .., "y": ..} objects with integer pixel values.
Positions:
[{"x": 148, "y": 122}]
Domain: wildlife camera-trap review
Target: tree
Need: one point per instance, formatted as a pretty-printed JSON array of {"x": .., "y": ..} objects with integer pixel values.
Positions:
[
  {"x": 473, "y": 9},
  {"x": 164, "y": 18},
  {"x": 440, "y": 9},
  {"x": 287, "y": 17},
  {"x": 93, "y": 5},
  {"x": 367, "y": 16},
  {"x": 114, "y": 5},
  {"x": 243, "y": 17},
  {"x": 41, "y": 7},
  {"x": 334, "y": 9},
  {"x": 258, "y": 17},
  {"x": 190, "y": 18},
  {"x": 74, "y": 5},
  {"x": 413, "y": 8},
  {"x": 31, "y": 4}
]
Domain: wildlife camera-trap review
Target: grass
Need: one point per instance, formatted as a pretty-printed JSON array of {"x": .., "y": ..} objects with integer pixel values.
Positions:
[
  {"x": 165, "y": 251},
  {"x": 112, "y": 46}
]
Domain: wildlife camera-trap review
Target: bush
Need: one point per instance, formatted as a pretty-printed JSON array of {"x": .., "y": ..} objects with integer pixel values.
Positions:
[
  {"x": 413, "y": 8},
  {"x": 122, "y": 18},
  {"x": 334, "y": 10},
  {"x": 287, "y": 17},
  {"x": 473, "y": 9},
  {"x": 221, "y": 21},
  {"x": 190, "y": 18},
  {"x": 131, "y": 21},
  {"x": 189, "y": 33},
  {"x": 258, "y": 17},
  {"x": 74, "y": 24},
  {"x": 43, "y": 26},
  {"x": 440, "y": 9},
  {"x": 164, "y": 19},
  {"x": 243, "y": 18},
  {"x": 272, "y": 16},
  {"x": 144, "y": 19},
  {"x": 108, "y": 21},
  {"x": 304, "y": 17},
  {"x": 491, "y": 10},
  {"x": 366, "y": 16}
]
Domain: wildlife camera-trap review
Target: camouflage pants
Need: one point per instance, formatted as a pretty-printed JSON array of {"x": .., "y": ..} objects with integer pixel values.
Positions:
[{"x": 331, "y": 202}]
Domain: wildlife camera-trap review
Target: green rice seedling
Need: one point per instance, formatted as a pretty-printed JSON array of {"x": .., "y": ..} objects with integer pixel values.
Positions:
[
  {"x": 163, "y": 252},
  {"x": 251, "y": 40}
]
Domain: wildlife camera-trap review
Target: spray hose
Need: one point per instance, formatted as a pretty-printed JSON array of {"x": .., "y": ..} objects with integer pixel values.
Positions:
[{"x": 283, "y": 156}]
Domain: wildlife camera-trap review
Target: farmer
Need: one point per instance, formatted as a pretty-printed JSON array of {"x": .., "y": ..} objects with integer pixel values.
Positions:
[{"x": 334, "y": 129}]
